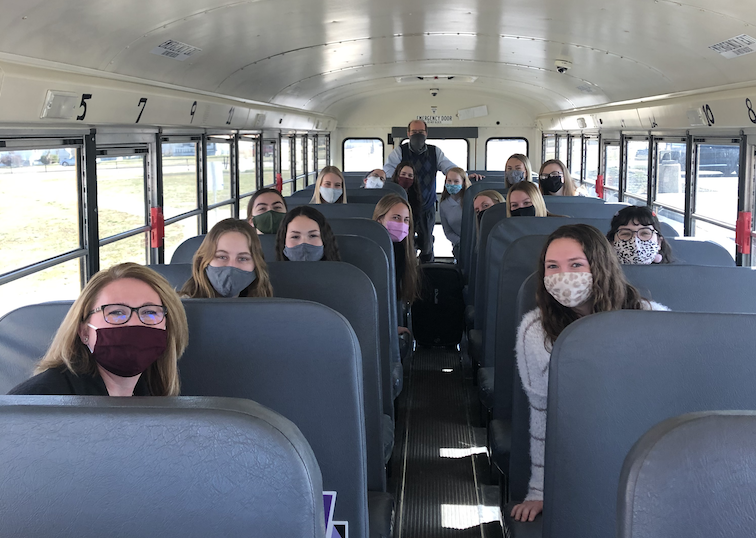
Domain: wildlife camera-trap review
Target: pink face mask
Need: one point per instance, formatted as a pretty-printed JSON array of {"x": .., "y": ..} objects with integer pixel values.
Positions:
[{"x": 397, "y": 230}]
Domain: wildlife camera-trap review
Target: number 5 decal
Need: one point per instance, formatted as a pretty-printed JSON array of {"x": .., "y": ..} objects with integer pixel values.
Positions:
[
  {"x": 83, "y": 103},
  {"x": 143, "y": 104}
]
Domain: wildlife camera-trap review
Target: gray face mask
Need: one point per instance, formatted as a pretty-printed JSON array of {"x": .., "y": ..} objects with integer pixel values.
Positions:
[
  {"x": 304, "y": 252},
  {"x": 229, "y": 281},
  {"x": 417, "y": 141},
  {"x": 514, "y": 176}
]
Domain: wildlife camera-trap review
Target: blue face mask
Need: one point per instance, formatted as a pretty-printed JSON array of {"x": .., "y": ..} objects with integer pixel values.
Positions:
[
  {"x": 453, "y": 189},
  {"x": 514, "y": 176},
  {"x": 229, "y": 281},
  {"x": 304, "y": 252}
]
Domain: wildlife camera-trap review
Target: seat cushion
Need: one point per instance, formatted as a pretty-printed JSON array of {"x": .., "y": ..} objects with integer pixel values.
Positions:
[
  {"x": 381, "y": 514},
  {"x": 397, "y": 378},
  {"x": 486, "y": 386},
  {"x": 475, "y": 345}
]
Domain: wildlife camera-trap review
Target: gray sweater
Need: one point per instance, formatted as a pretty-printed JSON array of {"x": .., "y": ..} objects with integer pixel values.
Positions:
[{"x": 451, "y": 218}]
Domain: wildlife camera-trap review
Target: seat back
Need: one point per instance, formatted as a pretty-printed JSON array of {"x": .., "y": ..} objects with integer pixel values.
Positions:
[
  {"x": 171, "y": 467},
  {"x": 467, "y": 230},
  {"x": 185, "y": 251},
  {"x": 348, "y": 291},
  {"x": 615, "y": 375},
  {"x": 498, "y": 239},
  {"x": 341, "y": 211},
  {"x": 298, "y": 358},
  {"x": 567, "y": 207},
  {"x": 175, "y": 273},
  {"x": 367, "y": 256},
  {"x": 691, "y": 475},
  {"x": 692, "y": 251},
  {"x": 25, "y": 335}
]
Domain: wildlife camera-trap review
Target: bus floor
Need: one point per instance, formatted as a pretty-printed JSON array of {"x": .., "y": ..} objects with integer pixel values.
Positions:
[{"x": 439, "y": 471}]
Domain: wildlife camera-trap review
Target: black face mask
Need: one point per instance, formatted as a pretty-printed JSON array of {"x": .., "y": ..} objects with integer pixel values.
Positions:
[
  {"x": 480, "y": 215},
  {"x": 524, "y": 211},
  {"x": 417, "y": 141},
  {"x": 551, "y": 183}
]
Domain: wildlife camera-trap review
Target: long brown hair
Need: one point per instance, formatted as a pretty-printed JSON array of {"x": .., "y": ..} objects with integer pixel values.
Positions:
[
  {"x": 410, "y": 280},
  {"x": 533, "y": 193},
  {"x": 68, "y": 350},
  {"x": 316, "y": 198},
  {"x": 568, "y": 185},
  {"x": 611, "y": 290},
  {"x": 526, "y": 163},
  {"x": 199, "y": 285}
]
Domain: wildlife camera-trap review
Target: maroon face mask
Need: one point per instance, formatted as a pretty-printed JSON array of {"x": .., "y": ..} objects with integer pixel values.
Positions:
[
  {"x": 405, "y": 182},
  {"x": 129, "y": 351}
]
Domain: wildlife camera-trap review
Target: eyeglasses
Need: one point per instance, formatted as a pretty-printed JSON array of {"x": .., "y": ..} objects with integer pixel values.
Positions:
[
  {"x": 552, "y": 174},
  {"x": 120, "y": 314},
  {"x": 644, "y": 234}
]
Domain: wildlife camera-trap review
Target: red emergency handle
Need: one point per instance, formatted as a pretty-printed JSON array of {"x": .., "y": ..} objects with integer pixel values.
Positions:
[
  {"x": 157, "y": 227},
  {"x": 600, "y": 185},
  {"x": 279, "y": 182},
  {"x": 743, "y": 232}
]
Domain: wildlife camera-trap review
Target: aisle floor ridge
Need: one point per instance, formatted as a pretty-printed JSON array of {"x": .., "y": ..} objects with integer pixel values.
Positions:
[{"x": 434, "y": 466}]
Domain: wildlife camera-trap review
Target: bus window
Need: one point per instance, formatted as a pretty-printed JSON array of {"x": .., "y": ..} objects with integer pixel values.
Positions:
[
  {"x": 498, "y": 151},
  {"x": 576, "y": 159},
  {"x": 670, "y": 173},
  {"x": 636, "y": 171},
  {"x": 122, "y": 206},
  {"x": 247, "y": 166},
  {"x": 549, "y": 147},
  {"x": 611, "y": 173},
  {"x": 180, "y": 193},
  {"x": 269, "y": 163},
  {"x": 362, "y": 154}
]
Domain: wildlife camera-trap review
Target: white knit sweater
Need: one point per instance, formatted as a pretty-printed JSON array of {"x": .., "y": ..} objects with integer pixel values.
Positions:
[{"x": 533, "y": 363}]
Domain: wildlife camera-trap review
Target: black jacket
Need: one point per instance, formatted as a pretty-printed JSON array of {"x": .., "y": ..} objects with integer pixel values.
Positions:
[{"x": 62, "y": 382}]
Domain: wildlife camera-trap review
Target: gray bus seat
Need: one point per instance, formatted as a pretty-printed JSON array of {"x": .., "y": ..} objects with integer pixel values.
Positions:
[
  {"x": 355, "y": 194},
  {"x": 692, "y": 251},
  {"x": 319, "y": 361},
  {"x": 564, "y": 205},
  {"x": 311, "y": 374},
  {"x": 341, "y": 211},
  {"x": 496, "y": 236},
  {"x": 175, "y": 273},
  {"x": 691, "y": 475},
  {"x": 367, "y": 256},
  {"x": 185, "y": 251},
  {"x": 25, "y": 335},
  {"x": 348, "y": 291},
  {"x": 467, "y": 236},
  {"x": 615, "y": 375},
  {"x": 171, "y": 467}
]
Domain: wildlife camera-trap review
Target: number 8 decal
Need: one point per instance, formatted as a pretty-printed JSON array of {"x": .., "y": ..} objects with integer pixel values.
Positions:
[
  {"x": 709, "y": 114},
  {"x": 751, "y": 112}
]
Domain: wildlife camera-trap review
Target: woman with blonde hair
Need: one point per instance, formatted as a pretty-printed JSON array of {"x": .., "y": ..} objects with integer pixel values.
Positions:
[
  {"x": 123, "y": 336},
  {"x": 517, "y": 169},
  {"x": 450, "y": 206},
  {"x": 554, "y": 179},
  {"x": 329, "y": 187},
  {"x": 395, "y": 214},
  {"x": 229, "y": 263},
  {"x": 525, "y": 200}
]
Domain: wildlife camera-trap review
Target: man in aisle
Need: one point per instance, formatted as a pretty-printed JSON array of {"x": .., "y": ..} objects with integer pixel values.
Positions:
[{"x": 427, "y": 160}]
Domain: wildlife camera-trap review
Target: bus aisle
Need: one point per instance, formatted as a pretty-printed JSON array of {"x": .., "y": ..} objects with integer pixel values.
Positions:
[{"x": 439, "y": 469}]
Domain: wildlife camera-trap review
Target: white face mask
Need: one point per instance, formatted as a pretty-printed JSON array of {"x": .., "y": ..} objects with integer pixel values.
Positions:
[
  {"x": 330, "y": 195},
  {"x": 374, "y": 182},
  {"x": 636, "y": 251},
  {"x": 569, "y": 289}
]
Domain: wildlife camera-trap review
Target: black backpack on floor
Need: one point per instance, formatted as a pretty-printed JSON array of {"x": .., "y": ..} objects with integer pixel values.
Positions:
[{"x": 438, "y": 316}]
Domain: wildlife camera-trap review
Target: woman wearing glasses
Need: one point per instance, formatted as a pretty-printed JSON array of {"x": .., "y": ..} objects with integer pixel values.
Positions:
[
  {"x": 123, "y": 336},
  {"x": 554, "y": 179},
  {"x": 636, "y": 239}
]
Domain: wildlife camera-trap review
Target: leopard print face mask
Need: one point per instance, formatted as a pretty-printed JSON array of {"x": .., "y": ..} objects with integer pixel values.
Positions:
[
  {"x": 569, "y": 289},
  {"x": 636, "y": 251}
]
